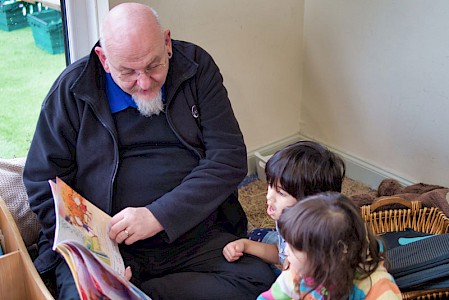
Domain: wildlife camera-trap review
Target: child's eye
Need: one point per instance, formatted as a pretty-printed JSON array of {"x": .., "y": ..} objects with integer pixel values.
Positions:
[{"x": 281, "y": 192}]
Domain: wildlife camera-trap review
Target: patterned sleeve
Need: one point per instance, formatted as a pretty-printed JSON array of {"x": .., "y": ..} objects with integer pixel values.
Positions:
[
  {"x": 384, "y": 289},
  {"x": 282, "y": 289},
  {"x": 379, "y": 286}
]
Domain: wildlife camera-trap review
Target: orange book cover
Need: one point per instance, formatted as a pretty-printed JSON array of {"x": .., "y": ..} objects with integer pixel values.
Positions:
[{"x": 82, "y": 238}]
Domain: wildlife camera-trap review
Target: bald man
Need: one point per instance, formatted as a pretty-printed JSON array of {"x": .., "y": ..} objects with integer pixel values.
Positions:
[{"x": 144, "y": 129}]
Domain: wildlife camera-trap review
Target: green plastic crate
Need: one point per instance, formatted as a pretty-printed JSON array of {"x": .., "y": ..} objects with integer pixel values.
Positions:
[
  {"x": 46, "y": 27},
  {"x": 11, "y": 15}
]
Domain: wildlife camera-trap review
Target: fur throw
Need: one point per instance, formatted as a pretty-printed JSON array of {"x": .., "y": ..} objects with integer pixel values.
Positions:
[{"x": 430, "y": 195}]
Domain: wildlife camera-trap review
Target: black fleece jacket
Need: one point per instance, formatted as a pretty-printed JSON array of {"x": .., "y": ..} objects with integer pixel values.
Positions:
[{"x": 75, "y": 139}]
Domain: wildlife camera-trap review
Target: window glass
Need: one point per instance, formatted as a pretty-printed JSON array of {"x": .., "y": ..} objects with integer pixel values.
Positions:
[{"x": 32, "y": 47}]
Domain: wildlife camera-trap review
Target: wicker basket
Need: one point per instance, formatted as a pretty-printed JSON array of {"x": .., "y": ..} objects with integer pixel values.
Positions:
[{"x": 424, "y": 219}]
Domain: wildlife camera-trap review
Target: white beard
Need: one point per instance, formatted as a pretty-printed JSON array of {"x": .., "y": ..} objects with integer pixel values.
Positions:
[{"x": 149, "y": 107}]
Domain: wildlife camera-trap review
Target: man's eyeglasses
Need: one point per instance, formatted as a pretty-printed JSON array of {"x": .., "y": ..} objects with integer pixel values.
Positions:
[{"x": 132, "y": 75}]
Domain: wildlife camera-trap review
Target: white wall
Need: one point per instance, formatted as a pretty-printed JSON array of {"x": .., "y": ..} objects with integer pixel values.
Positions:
[
  {"x": 367, "y": 78},
  {"x": 257, "y": 44},
  {"x": 376, "y": 83}
]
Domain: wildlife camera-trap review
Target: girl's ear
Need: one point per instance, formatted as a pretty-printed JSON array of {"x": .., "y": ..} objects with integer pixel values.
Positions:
[{"x": 343, "y": 247}]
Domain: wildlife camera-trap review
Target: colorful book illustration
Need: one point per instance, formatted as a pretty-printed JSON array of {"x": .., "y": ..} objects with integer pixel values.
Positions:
[{"x": 81, "y": 237}]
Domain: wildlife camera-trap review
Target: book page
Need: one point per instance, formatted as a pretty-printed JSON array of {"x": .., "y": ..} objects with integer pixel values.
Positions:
[
  {"x": 79, "y": 220},
  {"x": 97, "y": 279},
  {"x": 71, "y": 262}
]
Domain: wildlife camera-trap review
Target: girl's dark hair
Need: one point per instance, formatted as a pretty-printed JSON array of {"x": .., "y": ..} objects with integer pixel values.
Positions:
[
  {"x": 338, "y": 245},
  {"x": 305, "y": 168}
]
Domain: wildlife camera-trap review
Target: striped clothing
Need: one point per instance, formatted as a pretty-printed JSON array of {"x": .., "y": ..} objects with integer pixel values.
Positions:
[{"x": 379, "y": 285}]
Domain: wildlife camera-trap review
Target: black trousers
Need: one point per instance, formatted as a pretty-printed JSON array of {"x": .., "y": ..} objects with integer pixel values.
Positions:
[
  {"x": 66, "y": 288},
  {"x": 191, "y": 272},
  {"x": 199, "y": 272}
]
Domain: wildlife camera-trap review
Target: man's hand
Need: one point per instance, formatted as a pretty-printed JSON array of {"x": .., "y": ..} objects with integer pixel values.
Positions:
[
  {"x": 128, "y": 273},
  {"x": 234, "y": 250},
  {"x": 133, "y": 224}
]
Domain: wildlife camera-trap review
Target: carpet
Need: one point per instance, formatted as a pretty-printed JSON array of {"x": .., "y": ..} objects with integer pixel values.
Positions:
[{"x": 252, "y": 196}]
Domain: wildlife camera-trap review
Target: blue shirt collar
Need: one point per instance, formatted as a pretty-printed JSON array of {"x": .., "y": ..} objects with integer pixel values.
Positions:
[{"x": 118, "y": 99}]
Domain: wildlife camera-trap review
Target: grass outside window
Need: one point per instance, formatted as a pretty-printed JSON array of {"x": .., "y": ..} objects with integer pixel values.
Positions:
[{"x": 26, "y": 77}]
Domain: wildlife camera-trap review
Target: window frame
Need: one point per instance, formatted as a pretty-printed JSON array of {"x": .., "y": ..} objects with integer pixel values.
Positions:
[{"x": 82, "y": 19}]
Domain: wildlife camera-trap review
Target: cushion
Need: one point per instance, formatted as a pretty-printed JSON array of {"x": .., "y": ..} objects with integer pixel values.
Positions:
[
  {"x": 13, "y": 192},
  {"x": 423, "y": 264}
]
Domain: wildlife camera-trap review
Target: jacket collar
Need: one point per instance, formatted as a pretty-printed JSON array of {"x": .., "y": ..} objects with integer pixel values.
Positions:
[
  {"x": 92, "y": 78},
  {"x": 181, "y": 68}
]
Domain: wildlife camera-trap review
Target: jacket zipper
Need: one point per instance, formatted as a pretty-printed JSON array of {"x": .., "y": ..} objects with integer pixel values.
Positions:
[{"x": 116, "y": 160}]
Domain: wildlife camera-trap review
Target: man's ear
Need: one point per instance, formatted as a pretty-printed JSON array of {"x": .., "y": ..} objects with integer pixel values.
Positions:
[
  {"x": 167, "y": 40},
  {"x": 102, "y": 57}
]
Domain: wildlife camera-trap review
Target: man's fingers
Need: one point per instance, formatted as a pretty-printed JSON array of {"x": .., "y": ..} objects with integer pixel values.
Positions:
[{"x": 128, "y": 273}]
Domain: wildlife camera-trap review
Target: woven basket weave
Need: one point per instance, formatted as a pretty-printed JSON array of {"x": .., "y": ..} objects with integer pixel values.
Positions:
[{"x": 424, "y": 219}]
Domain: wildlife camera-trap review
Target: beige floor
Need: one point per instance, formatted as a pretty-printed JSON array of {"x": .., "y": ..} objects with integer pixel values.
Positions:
[{"x": 253, "y": 199}]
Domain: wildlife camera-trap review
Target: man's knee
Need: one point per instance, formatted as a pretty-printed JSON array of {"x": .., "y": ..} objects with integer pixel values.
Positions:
[{"x": 244, "y": 279}]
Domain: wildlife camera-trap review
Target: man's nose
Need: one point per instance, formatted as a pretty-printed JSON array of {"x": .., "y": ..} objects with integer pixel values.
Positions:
[{"x": 144, "y": 80}]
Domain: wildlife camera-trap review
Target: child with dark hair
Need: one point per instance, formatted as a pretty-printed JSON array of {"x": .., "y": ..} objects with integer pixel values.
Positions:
[
  {"x": 294, "y": 172},
  {"x": 332, "y": 253}
]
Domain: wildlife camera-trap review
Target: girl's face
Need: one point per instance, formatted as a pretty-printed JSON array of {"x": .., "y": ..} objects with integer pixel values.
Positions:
[
  {"x": 277, "y": 200},
  {"x": 297, "y": 260}
]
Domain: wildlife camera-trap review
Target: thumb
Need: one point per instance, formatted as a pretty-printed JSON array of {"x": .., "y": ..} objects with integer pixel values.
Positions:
[{"x": 128, "y": 273}]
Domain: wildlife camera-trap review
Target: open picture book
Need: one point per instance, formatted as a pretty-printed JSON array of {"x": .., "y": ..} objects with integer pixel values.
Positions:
[{"x": 82, "y": 238}]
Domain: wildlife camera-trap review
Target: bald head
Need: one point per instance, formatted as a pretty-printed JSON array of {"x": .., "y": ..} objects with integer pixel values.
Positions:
[
  {"x": 131, "y": 25},
  {"x": 136, "y": 51}
]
